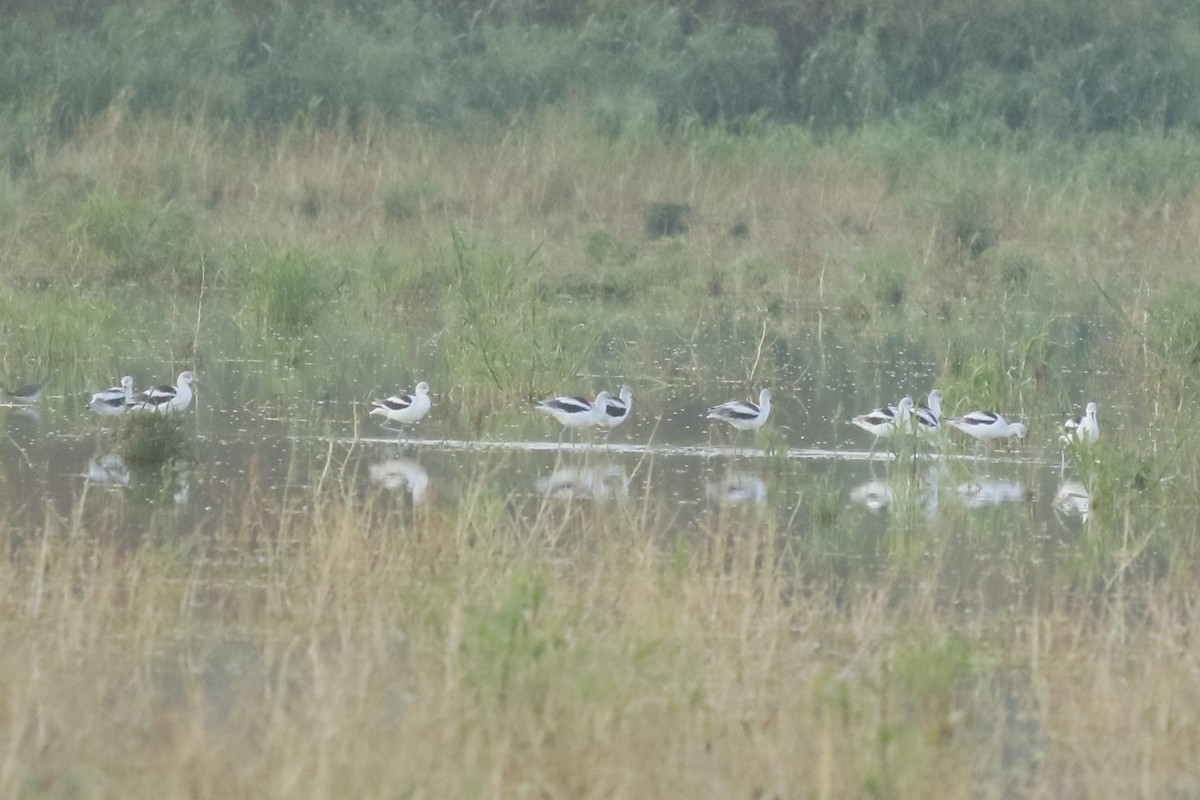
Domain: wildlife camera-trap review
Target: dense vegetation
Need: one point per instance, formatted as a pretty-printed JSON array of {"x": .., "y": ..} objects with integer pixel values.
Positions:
[{"x": 976, "y": 68}]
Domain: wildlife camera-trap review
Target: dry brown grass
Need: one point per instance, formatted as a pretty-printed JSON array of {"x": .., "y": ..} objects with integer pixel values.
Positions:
[
  {"x": 818, "y": 217},
  {"x": 566, "y": 650}
]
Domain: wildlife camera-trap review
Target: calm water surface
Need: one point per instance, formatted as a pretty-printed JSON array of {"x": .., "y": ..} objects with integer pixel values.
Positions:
[{"x": 274, "y": 429}]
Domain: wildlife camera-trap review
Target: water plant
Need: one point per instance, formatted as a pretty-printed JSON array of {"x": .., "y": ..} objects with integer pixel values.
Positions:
[
  {"x": 504, "y": 332},
  {"x": 148, "y": 439}
]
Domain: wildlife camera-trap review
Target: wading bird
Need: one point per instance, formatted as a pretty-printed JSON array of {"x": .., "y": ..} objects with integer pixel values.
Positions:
[
  {"x": 987, "y": 426},
  {"x": 576, "y": 412},
  {"x": 743, "y": 414},
  {"x": 403, "y": 408},
  {"x": 617, "y": 409},
  {"x": 165, "y": 399},
  {"x": 112, "y": 402},
  {"x": 885, "y": 422},
  {"x": 1083, "y": 430}
]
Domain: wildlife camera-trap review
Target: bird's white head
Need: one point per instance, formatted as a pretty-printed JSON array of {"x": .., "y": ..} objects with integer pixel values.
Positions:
[
  {"x": 186, "y": 378},
  {"x": 1018, "y": 430},
  {"x": 935, "y": 401},
  {"x": 764, "y": 397},
  {"x": 603, "y": 398},
  {"x": 626, "y": 395},
  {"x": 127, "y": 382},
  {"x": 1091, "y": 409},
  {"x": 422, "y": 388}
]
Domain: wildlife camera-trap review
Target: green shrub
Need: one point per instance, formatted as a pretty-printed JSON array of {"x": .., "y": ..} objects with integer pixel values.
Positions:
[
  {"x": 967, "y": 222},
  {"x": 149, "y": 439},
  {"x": 842, "y": 84},
  {"x": 1148, "y": 169},
  {"x": 54, "y": 329},
  {"x": 500, "y": 332},
  {"x": 10, "y": 199},
  {"x": 603, "y": 247},
  {"x": 1173, "y": 326},
  {"x": 411, "y": 199},
  {"x": 290, "y": 291},
  {"x": 720, "y": 72},
  {"x": 976, "y": 69},
  {"x": 667, "y": 219},
  {"x": 176, "y": 56},
  {"x": 136, "y": 240}
]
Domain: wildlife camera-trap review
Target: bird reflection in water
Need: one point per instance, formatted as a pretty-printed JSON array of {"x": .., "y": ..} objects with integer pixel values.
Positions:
[
  {"x": 109, "y": 471},
  {"x": 875, "y": 494},
  {"x": 1073, "y": 499},
  {"x": 402, "y": 473},
  {"x": 737, "y": 488},
  {"x": 985, "y": 493},
  {"x": 595, "y": 483},
  {"x": 906, "y": 491}
]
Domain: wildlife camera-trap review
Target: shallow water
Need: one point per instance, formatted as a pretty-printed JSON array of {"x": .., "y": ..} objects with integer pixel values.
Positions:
[
  {"x": 850, "y": 514},
  {"x": 279, "y": 424}
]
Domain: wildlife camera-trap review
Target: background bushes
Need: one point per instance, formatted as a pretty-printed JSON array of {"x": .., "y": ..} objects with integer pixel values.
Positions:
[{"x": 979, "y": 66}]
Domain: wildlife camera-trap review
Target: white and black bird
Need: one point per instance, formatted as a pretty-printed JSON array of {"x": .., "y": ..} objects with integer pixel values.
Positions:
[
  {"x": 1083, "y": 430},
  {"x": 743, "y": 414},
  {"x": 404, "y": 409},
  {"x": 885, "y": 422},
  {"x": 576, "y": 412},
  {"x": 617, "y": 409},
  {"x": 165, "y": 399},
  {"x": 929, "y": 415},
  {"x": 112, "y": 402},
  {"x": 987, "y": 426}
]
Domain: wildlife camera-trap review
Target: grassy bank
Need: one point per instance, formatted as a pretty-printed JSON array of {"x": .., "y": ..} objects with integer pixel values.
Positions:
[{"x": 507, "y": 242}]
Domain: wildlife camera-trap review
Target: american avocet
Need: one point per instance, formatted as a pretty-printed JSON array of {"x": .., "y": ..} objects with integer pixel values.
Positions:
[
  {"x": 886, "y": 421},
  {"x": 617, "y": 409},
  {"x": 25, "y": 395},
  {"x": 742, "y": 414},
  {"x": 165, "y": 399},
  {"x": 404, "y": 409},
  {"x": 987, "y": 426},
  {"x": 1083, "y": 430},
  {"x": 112, "y": 402},
  {"x": 576, "y": 412},
  {"x": 929, "y": 416}
]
